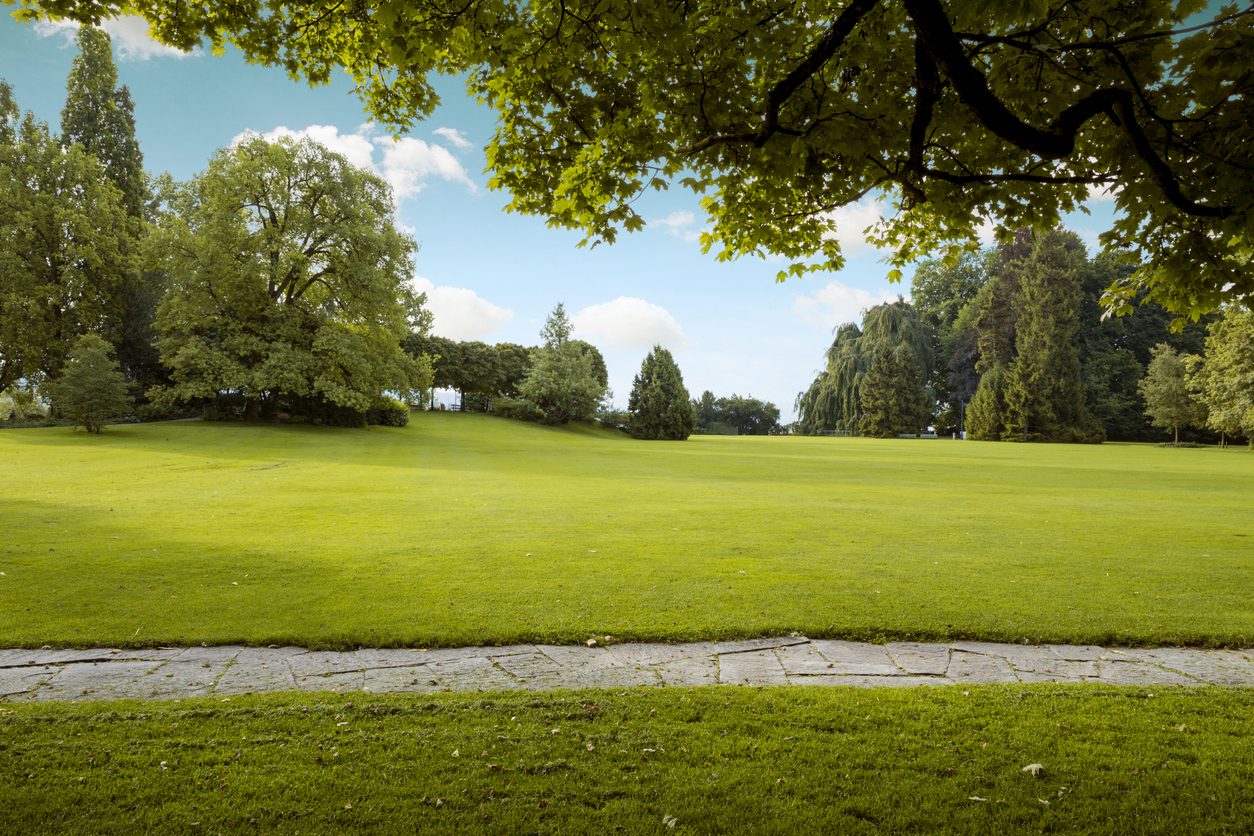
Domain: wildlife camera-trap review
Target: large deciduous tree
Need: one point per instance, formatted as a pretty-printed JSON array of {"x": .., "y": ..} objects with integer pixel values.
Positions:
[
  {"x": 780, "y": 112},
  {"x": 659, "y": 404},
  {"x": 66, "y": 247},
  {"x": 288, "y": 277},
  {"x": 1223, "y": 379}
]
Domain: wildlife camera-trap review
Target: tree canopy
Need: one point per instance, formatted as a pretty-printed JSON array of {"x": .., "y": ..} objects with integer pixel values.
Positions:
[
  {"x": 659, "y": 404},
  {"x": 955, "y": 113},
  {"x": 288, "y": 277}
]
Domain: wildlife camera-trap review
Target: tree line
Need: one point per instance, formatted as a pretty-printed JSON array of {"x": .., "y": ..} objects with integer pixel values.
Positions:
[{"x": 1011, "y": 343}]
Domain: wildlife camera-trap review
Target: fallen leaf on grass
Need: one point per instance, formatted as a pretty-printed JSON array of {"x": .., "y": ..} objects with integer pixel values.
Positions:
[
  {"x": 670, "y": 821},
  {"x": 1035, "y": 769},
  {"x": 976, "y": 798}
]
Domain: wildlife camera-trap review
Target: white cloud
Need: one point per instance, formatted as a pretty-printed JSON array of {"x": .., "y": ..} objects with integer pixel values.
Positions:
[
  {"x": 454, "y": 136},
  {"x": 356, "y": 147},
  {"x": 408, "y": 162},
  {"x": 405, "y": 163},
  {"x": 850, "y": 222},
  {"x": 1101, "y": 192},
  {"x": 129, "y": 34},
  {"x": 628, "y": 322},
  {"x": 460, "y": 313},
  {"x": 836, "y": 303},
  {"x": 675, "y": 223}
]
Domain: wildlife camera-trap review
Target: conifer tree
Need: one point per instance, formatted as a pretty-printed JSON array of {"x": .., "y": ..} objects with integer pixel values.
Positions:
[
  {"x": 986, "y": 413},
  {"x": 562, "y": 383},
  {"x": 659, "y": 403},
  {"x": 893, "y": 400},
  {"x": 91, "y": 391},
  {"x": 100, "y": 116}
]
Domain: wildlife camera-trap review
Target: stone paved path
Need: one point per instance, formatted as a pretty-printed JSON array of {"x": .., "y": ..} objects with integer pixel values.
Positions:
[{"x": 173, "y": 673}]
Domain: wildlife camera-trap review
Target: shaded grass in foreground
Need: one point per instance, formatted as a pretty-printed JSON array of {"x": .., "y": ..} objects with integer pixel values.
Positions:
[
  {"x": 718, "y": 760},
  {"x": 466, "y": 529}
]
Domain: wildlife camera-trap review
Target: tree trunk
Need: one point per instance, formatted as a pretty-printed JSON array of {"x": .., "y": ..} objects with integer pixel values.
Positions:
[
  {"x": 252, "y": 409},
  {"x": 1177, "y": 428}
]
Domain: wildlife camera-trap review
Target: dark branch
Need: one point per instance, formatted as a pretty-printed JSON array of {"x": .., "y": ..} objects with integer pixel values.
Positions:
[
  {"x": 1058, "y": 140},
  {"x": 819, "y": 55}
]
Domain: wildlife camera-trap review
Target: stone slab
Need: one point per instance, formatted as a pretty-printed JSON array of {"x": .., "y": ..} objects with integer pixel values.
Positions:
[
  {"x": 345, "y": 681},
  {"x": 691, "y": 672},
  {"x": 250, "y": 675},
  {"x": 926, "y": 659},
  {"x": 208, "y": 655},
  {"x": 176, "y": 680},
  {"x": 24, "y": 680},
  {"x": 416, "y": 679},
  {"x": 753, "y": 645},
  {"x": 803, "y": 660},
  {"x": 1218, "y": 667},
  {"x": 853, "y": 653},
  {"x": 1078, "y": 652},
  {"x": 1139, "y": 673},
  {"x": 659, "y": 654},
  {"x": 98, "y": 681},
  {"x": 323, "y": 662},
  {"x": 759, "y": 667},
  {"x": 977, "y": 667},
  {"x": 473, "y": 673},
  {"x": 580, "y": 657}
]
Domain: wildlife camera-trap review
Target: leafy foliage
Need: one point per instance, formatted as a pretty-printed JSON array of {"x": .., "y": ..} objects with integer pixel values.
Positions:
[
  {"x": 66, "y": 247},
  {"x": 1223, "y": 380},
  {"x": 1168, "y": 401},
  {"x": 287, "y": 278},
  {"x": 658, "y": 402},
  {"x": 91, "y": 391},
  {"x": 834, "y": 399},
  {"x": 735, "y": 416},
  {"x": 779, "y": 112}
]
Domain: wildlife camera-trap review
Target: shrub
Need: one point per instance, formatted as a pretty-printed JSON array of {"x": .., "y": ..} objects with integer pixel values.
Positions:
[
  {"x": 91, "y": 392},
  {"x": 519, "y": 409},
  {"x": 388, "y": 412}
]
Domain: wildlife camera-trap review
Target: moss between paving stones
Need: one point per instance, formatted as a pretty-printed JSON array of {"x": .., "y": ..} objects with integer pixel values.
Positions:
[
  {"x": 716, "y": 760},
  {"x": 466, "y": 529}
]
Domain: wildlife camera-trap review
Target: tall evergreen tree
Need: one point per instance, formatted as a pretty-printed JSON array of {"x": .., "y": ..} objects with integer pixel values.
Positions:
[
  {"x": 1042, "y": 394},
  {"x": 893, "y": 400},
  {"x": 100, "y": 117},
  {"x": 562, "y": 382},
  {"x": 658, "y": 403}
]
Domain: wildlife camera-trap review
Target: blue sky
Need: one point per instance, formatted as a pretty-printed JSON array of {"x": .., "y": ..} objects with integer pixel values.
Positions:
[{"x": 490, "y": 275}]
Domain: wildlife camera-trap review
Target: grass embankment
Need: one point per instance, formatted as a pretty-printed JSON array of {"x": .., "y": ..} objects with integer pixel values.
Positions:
[
  {"x": 465, "y": 529},
  {"x": 716, "y": 760}
]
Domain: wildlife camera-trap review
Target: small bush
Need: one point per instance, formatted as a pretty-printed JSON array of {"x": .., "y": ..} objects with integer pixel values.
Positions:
[
  {"x": 1192, "y": 444},
  {"x": 519, "y": 409},
  {"x": 388, "y": 412},
  {"x": 91, "y": 391}
]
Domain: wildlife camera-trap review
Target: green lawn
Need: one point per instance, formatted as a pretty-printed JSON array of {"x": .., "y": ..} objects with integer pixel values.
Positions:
[
  {"x": 465, "y": 529},
  {"x": 713, "y": 760}
]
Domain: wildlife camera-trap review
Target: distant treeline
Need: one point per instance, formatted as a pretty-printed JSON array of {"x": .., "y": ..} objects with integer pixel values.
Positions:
[{"x": 735, "y": 416}]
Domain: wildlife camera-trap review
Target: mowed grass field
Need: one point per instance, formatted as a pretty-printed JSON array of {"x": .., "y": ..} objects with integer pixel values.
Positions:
[{"x": 467, "y": 529}]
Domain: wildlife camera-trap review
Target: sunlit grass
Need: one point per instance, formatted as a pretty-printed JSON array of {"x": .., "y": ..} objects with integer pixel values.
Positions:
[{"x": 466, "y": 529}]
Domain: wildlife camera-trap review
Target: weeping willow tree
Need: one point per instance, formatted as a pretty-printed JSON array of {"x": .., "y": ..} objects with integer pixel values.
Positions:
[{"x": 833, "y": 401}]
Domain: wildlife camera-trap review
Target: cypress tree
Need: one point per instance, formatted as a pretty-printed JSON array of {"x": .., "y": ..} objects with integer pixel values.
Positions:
[
  {"x": 100, "y": 117},
  {"x": 659, "y": 404}
]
